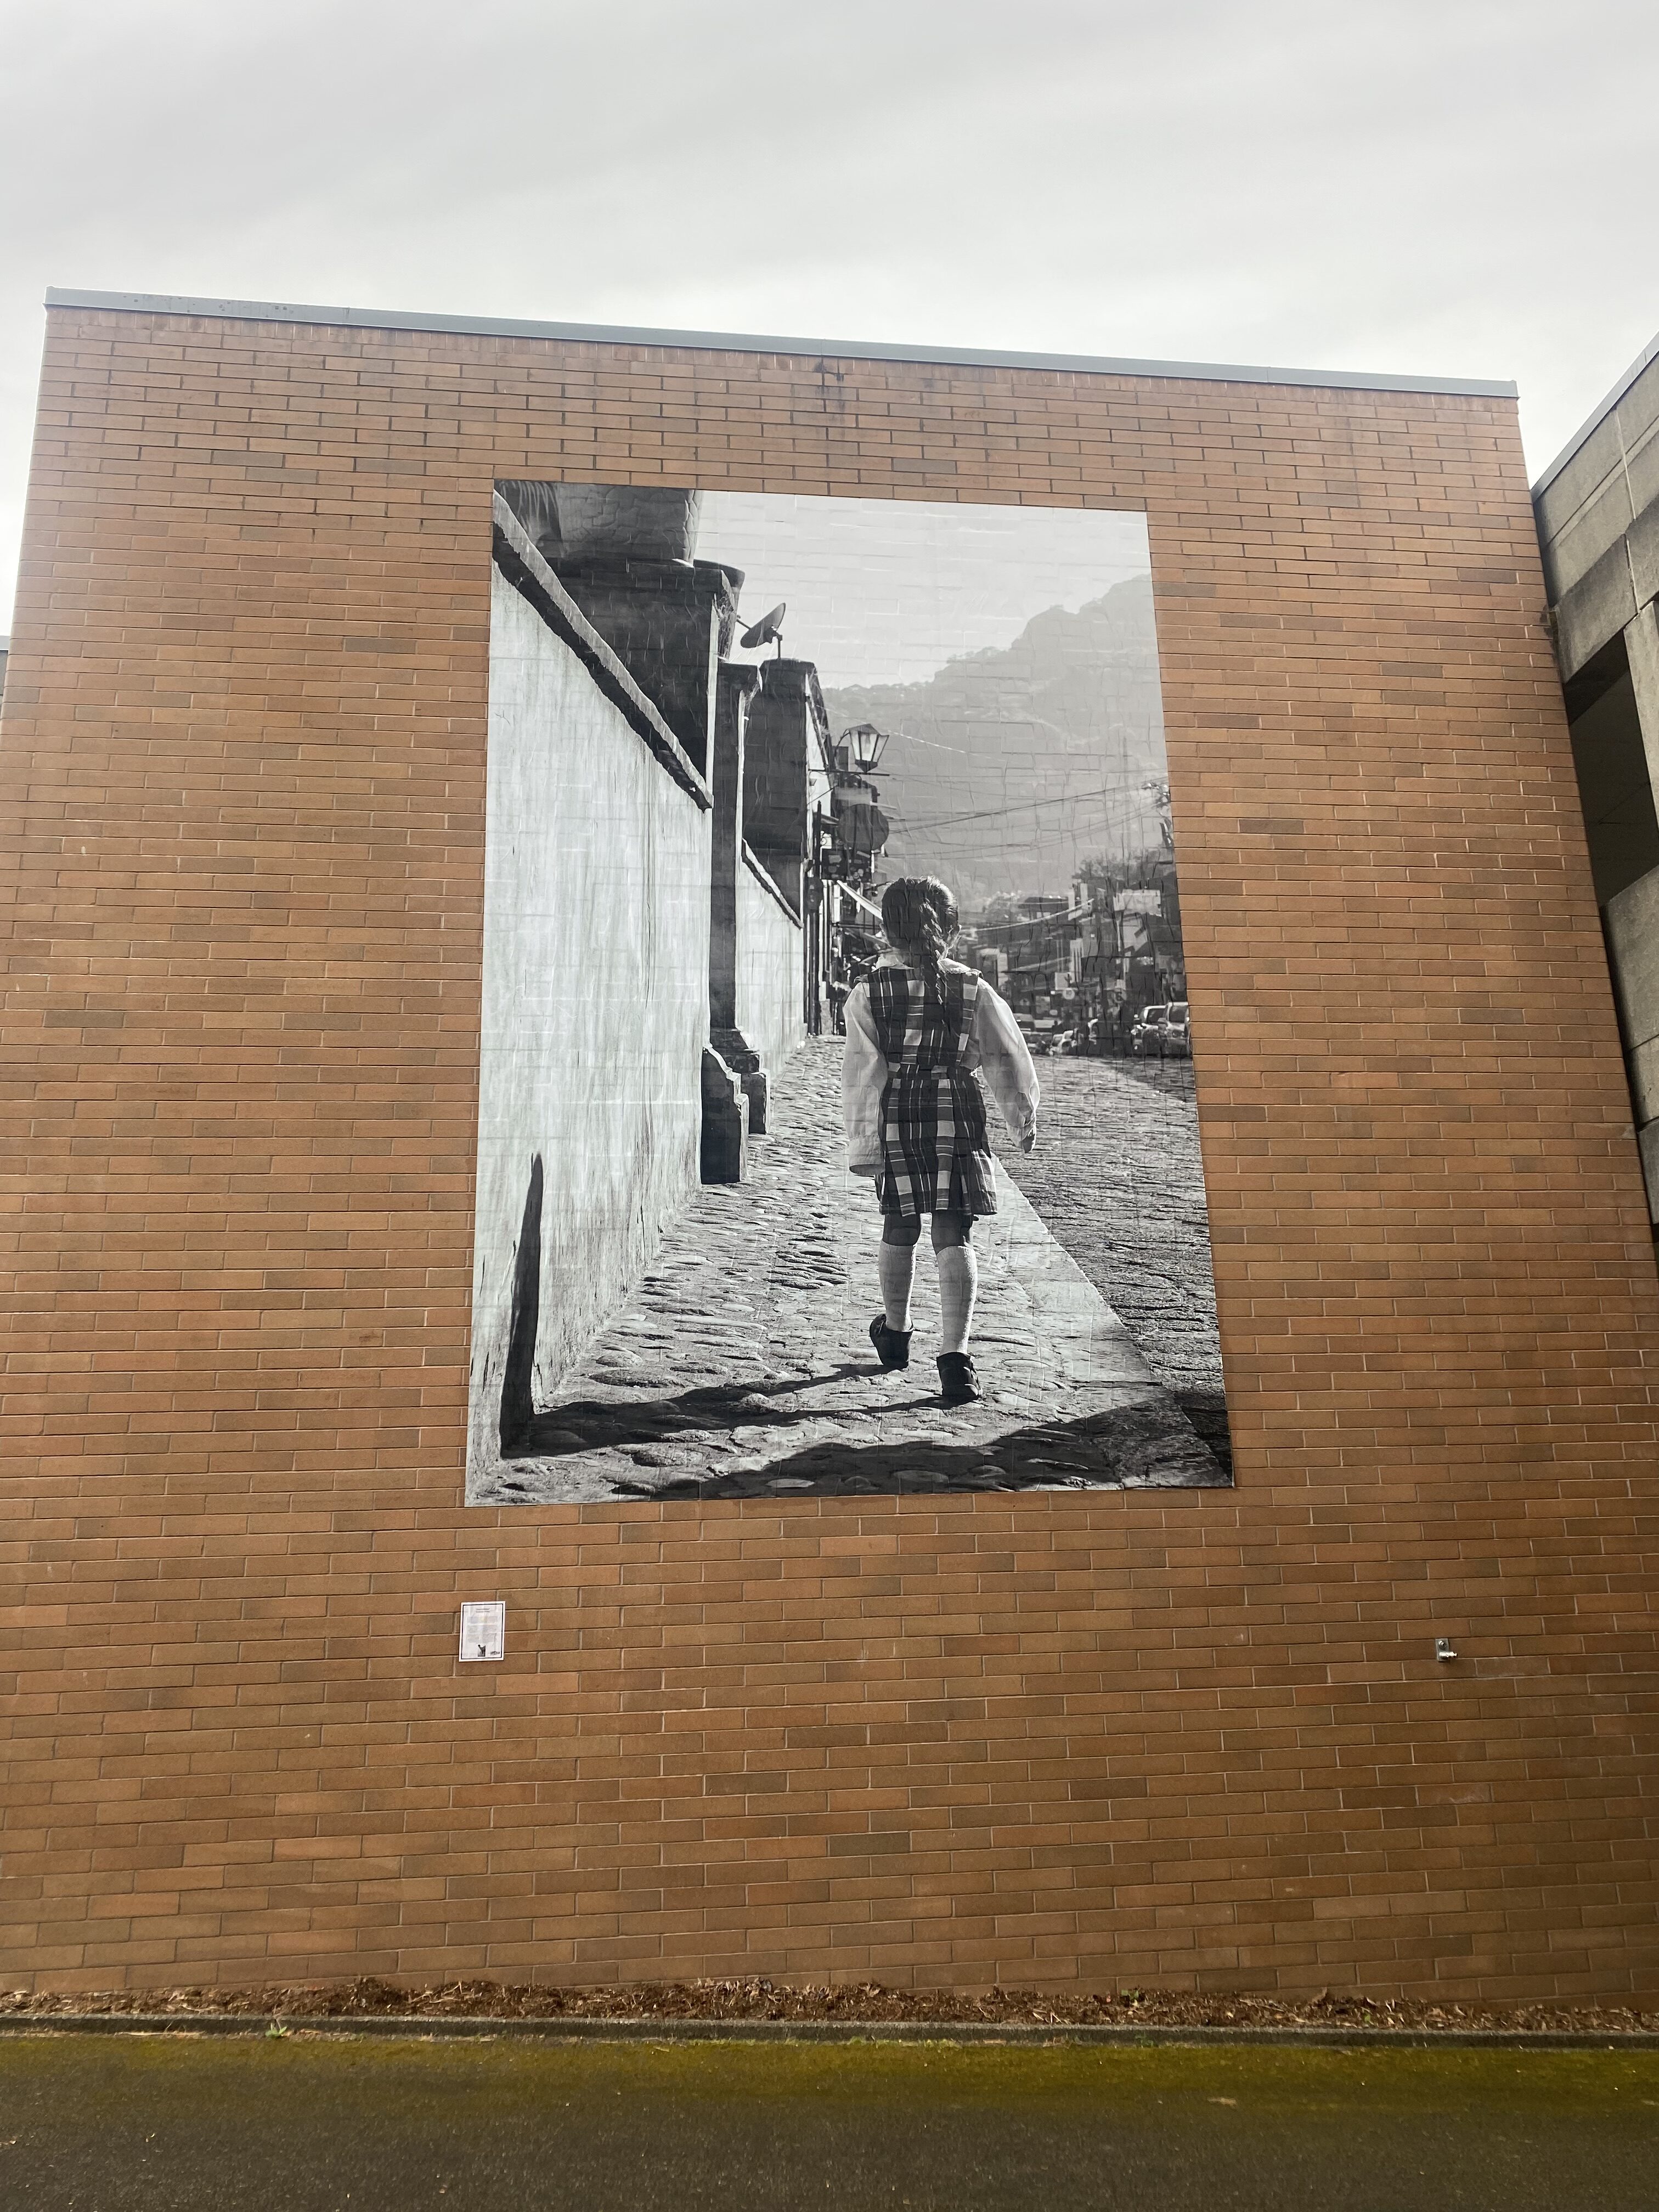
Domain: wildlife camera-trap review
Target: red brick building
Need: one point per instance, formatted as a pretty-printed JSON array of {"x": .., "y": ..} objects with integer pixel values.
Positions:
[{"x": 1193, "y": 1737}]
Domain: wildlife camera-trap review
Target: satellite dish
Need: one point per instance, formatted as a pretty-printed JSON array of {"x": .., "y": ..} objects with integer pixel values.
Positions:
[{"x": 767, "y": 631}]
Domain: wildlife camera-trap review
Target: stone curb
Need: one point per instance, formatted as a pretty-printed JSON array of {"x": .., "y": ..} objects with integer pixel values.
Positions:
[{"x": 813, "y": 2031}]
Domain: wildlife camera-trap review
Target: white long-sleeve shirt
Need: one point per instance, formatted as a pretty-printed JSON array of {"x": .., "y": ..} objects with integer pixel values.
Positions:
[{"x": 994, "y": 1046}]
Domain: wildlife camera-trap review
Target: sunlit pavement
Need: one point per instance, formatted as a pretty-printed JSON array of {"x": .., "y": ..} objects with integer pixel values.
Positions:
[
  {"x": 1119, "y": 1179},
  {"x": 320, "y": 2124},
  {"x": 740, "y": 1366}
]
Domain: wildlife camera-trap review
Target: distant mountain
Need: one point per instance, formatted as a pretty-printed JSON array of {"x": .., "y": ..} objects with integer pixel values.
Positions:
[{"x": 1011, "y": 766}]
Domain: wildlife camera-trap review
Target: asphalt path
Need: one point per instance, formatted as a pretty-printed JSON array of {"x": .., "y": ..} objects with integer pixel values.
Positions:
[{"x": 311, "y": 2122}]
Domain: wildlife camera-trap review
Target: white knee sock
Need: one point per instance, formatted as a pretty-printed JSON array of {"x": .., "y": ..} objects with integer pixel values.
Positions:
[
  {"x": 958, "y": 1286},
  {"x": 896, "y": 1270}
]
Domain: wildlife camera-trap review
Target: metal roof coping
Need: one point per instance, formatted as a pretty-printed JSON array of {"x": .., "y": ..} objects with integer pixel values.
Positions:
[{"x": 270, "y": 310}]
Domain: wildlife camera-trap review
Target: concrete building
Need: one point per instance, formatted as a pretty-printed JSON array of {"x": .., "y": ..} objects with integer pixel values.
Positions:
[{"x": 1597, "y": 505}]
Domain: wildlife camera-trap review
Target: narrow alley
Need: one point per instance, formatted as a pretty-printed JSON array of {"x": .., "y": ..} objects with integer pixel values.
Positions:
[{"x": 739, "y": 1366}]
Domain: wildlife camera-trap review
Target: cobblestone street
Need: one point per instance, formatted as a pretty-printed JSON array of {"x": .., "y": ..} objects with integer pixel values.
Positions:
[
  {"x": 741, "y": 1366},
  {"x": 1119, "y": 1181}
]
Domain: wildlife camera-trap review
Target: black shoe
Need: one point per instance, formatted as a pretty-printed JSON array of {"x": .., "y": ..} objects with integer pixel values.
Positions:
[
  {"x": 892, "y": 1344},
  {"x": 958, "y": 1383}
]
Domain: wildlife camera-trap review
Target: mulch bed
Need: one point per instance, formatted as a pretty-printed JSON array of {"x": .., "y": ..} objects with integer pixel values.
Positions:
[{"x": 838, "y": 2001}]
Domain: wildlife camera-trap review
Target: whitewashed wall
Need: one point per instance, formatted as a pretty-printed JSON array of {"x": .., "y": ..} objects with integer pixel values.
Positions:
[
  {"x": 770, "y": 980},
  {"x": 595, "y": 1001}
]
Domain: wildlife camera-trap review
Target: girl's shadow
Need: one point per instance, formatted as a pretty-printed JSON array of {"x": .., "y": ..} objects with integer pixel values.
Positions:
[{"x": 582, "y": 1425}]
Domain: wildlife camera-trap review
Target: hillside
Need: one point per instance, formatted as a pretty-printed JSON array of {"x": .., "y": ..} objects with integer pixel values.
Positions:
[{"x": 1010, "y": 766}]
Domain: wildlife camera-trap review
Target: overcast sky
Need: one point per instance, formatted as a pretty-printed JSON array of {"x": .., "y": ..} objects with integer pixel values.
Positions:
[
  {"x": 882, "y": 591},
  {"x": 1459, "y": 187}
]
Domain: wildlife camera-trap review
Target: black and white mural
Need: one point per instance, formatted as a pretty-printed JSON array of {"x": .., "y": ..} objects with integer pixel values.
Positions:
[{"x": 836, "y": 1123}]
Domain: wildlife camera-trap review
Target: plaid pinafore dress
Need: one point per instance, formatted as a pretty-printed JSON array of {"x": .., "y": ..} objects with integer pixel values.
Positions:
[{"x": 935, "y": 1154}]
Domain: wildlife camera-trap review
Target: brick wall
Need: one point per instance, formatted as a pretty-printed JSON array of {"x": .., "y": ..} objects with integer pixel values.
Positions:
[{"x": 1192, "y": 1737}]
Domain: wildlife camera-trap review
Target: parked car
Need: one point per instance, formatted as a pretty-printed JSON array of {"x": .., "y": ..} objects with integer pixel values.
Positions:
[
  {"x": 1179, "y": 1030},
  {"x": 1146, "y": 1038}
]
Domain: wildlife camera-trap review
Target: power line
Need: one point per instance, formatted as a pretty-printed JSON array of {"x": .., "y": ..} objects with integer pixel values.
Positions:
[{"x": 1002, "y": 813}]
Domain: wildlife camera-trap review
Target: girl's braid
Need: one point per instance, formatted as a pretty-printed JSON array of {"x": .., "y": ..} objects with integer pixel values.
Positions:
[{"x": 920, "y": 914}]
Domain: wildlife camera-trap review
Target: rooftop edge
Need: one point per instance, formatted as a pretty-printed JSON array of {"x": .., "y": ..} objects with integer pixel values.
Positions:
[
  {"x": 270, "y": 310},
  {"x": 1596, "y": 416}
]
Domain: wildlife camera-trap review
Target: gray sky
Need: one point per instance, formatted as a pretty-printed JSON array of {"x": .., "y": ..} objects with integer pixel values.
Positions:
[
  {"x": 1456, "y": 187},
  {"x": 887, "y": 591}
]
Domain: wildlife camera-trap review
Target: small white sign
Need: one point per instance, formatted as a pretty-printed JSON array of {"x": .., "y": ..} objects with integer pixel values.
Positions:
[{"x": 484, "y": 1630}]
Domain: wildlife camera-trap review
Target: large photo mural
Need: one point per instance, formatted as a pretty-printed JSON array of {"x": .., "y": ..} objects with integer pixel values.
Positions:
[{"x": 837, "y": 1131}]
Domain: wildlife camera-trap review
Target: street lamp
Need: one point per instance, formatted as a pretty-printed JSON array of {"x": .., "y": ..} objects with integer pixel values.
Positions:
[{"x": 865, "y": 744}]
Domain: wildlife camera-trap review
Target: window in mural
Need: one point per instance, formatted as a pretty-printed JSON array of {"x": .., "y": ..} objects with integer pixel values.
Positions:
[{"x": 837, "y": 1127}]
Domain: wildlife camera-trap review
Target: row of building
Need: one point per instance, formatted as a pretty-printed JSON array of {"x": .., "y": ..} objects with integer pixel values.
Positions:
[{"x": 1089, "y": 963}]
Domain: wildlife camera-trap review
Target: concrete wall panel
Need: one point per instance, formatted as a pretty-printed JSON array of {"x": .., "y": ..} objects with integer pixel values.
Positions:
[
  {"x": 1609, "y": 484},
  {"x": 1584, "y": 509},
  {"x": 1642, "y": 546},
  {"x": 1595, "y": 610},
  {"x": 1642, "y": 447}
]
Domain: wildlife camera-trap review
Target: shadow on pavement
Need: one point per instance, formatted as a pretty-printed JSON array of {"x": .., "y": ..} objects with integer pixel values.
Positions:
[
  {"x": 582, "y": 1425},
  {"x": 1206, "y": 1409},
  {"x": 1132, "y": 1447}
]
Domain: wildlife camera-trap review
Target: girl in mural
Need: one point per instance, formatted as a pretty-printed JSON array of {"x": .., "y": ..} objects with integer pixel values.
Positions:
[{"x": 917, "y": 1028}]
